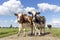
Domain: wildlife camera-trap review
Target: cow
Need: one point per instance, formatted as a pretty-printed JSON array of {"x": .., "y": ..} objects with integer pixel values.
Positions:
[
  {"x": 49, "y": 26},
  {"x": 38, "y": 21},
  {"x": 23, "y": 18}
]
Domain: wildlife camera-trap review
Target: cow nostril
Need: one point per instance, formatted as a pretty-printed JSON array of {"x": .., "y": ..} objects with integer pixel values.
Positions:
[{"x": 18, "y": 21}]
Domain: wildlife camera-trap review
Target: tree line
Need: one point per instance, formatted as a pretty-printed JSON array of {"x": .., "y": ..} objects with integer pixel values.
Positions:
[{"x": 11, "y": 26}]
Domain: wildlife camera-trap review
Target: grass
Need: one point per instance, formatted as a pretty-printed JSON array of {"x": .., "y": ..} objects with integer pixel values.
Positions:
[
  {"x": 11, "y": 31},
  {"x": 7, "y": 31},
  {"x": 55, "y": 32}
]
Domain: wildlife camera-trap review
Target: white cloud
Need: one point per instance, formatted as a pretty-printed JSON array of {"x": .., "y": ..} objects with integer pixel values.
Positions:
[
  {"x": 5, "y": 21},
  {"x": 13, "y": 6},
  {"x": 3, "y": 10},
  {"x": 46, "y": 6},
  {"x": 10, "y": 6},
  {"x": 11, "y": 20},
  {"x": 29, "y": 9},
  {"x": 15, "y": 21},
  {"x": 56, "y": 22},
  {"x": 8, "y": 21}
]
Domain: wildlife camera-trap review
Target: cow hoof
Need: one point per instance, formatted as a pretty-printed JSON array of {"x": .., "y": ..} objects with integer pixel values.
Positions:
[
  {"x": 32, "y": 34},
  {"x": 39, "y": 34},
  {"x": 18, "y": 35},
  {"x": 35, "y": 35},
  {"x": 24, "y": 36}
]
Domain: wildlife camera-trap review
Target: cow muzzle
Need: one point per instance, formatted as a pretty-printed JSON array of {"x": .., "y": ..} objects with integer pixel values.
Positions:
[
  {"x": 18, "y": 21},
  {"x": 33, "y": 19}
]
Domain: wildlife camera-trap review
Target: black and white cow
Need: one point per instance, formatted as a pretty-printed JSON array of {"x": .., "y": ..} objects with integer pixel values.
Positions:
[
  {"x": 49, "y": 26},
  {"x": 38, "y": 22}
]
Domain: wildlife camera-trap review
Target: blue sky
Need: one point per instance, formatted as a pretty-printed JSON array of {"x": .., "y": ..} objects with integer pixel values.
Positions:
[{"x": 48, "y": 8}]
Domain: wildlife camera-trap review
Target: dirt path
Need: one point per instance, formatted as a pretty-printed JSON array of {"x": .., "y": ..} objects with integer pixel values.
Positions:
[{"x": 44, "y": 37}]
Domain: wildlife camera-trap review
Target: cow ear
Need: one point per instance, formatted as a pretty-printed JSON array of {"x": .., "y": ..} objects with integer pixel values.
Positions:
[
  {"x": 16, "y": 14},
  {"x": 29, "y": 13},
  {"x": 38, "y": 12}
]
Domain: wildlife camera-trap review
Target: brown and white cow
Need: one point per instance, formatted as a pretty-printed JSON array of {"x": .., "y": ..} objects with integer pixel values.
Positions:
[
  {"x": 38, "y": 21},
  {"x": 22, "y": 19}
]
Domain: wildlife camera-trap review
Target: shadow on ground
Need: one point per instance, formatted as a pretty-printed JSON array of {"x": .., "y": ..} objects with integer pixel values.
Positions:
[{"x": 42, "y": 34}]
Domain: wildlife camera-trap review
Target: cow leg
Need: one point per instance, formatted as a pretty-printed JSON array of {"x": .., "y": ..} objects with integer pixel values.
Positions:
[
  {"x": 32, "y": 31},
  {"x": 24, "y": 34},
  {"x": 20, "y": 27},
  {"x": 44, "y": 30},
  {"x": 34, "y": 28},
  {"x": 40, "y": 30},
  {"x": 35, "y": 31}
]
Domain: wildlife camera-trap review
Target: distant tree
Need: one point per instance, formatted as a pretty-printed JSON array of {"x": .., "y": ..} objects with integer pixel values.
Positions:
[
  {"x": 11, "y": 26},
  {"x": 16, "y": 27},
  {"x": 0, "y": 26}
]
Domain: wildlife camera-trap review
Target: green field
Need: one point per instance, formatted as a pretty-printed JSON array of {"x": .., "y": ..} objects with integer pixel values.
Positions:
[
  {"x": 10, "y": 31},
  {"x": 7, "y": 31},
  {"x": 55, "y": 32}
]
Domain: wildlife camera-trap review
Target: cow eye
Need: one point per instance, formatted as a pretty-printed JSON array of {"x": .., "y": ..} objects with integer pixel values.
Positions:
[{"x": 29, "y": 12}]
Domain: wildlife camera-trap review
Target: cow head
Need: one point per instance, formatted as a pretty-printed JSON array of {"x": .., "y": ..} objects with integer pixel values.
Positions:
[
  {"x": 34, "y": 14},
  {"x": 20, "y": 16}
]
